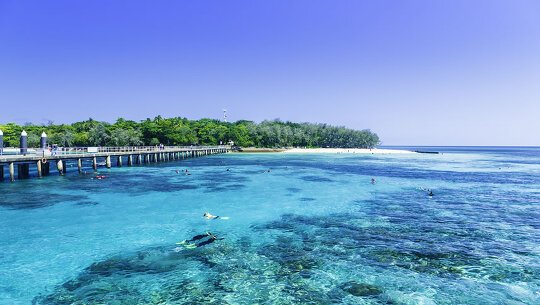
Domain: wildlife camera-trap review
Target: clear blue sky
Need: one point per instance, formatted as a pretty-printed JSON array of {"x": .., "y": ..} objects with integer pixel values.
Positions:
[{"x": 460, "y": 72}]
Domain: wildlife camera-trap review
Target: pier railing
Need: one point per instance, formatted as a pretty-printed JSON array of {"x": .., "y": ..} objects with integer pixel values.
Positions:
[
  {"x": 154, "y": 148},
  {"x": 63, "y": 151}
]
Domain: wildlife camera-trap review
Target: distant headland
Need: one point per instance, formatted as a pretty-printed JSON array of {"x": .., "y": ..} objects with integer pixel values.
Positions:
[{"x": 182, "y": 131}]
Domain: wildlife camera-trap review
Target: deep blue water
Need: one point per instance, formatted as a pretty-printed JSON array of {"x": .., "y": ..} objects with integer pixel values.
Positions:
[{"x": 312, "y": 230}]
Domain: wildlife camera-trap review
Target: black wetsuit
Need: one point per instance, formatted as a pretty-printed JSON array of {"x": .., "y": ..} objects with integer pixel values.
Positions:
[
  {"x": 206, "y": 242},
  {"x": 211, "y": 239},
  {"x": 198, "y": 237}
]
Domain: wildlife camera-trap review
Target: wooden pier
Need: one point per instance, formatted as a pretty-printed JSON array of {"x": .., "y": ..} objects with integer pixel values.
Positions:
[{"x": 98, "y": 156}]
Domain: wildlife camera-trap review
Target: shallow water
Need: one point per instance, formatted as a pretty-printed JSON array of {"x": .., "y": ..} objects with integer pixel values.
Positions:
[{"x": 313, "y": 230}]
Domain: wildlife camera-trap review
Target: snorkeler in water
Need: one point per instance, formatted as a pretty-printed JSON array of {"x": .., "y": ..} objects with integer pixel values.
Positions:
[
  {"x": 210, "y": 240},
  {"x": 210, "y": 216},
  {"x": 430, "y": 194},
  {"x": 190, "y": 244},
  {"x": 196, "y": 237}
]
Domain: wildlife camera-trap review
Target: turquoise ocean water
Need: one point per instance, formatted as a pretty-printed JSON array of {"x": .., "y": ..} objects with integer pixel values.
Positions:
[{"x": 313, "y": 230}]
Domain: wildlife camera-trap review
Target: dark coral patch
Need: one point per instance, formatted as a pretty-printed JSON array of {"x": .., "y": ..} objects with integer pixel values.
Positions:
[
  {"x": 361, "y": 289},
  {"x": 316, "y": 179}
]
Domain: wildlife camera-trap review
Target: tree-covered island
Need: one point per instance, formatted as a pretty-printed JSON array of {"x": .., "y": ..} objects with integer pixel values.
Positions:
[{"x": 182, "y": 131}]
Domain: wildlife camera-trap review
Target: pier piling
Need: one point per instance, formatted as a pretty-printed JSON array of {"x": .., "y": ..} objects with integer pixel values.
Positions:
[
  {"x": 39, "y": 169},
  {"x": 108, "y": 161},
  {"x": 94, "y": 163},
  {"x": 11, "y": 172},
  {"x": 1, "y": 172},
  {"x": 130, "y": 160},
  {"x": 79, "y": 165},
  {"x": 119, "y": 162},
  {"x": 60, "y": 167}
]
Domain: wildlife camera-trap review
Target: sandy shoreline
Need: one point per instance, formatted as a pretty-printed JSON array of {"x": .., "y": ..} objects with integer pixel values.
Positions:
[
  {"x": 347, "y": 151},
  {"x": 326, "y": 150}
]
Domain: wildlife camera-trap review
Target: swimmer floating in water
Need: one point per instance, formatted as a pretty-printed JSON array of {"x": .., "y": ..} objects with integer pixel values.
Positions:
[
  {"x": 372, "y": 180},
  {"x": 210, "y": 216},
  {"x": 429, "y": 191},
  {"x": 198, "y": 241}
]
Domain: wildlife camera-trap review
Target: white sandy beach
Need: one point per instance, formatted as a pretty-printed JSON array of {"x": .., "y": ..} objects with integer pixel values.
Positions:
[{"x": 347, "y": 151}]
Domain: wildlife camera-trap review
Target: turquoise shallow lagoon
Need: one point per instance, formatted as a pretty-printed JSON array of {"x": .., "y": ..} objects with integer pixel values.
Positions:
[{"x": 313, "y": 230}]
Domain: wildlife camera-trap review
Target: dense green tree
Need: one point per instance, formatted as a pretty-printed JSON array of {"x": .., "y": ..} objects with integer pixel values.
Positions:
[
  {"x": 12, "y": 134},
  {"x": 33, "y": 140},
  {"x": 81, "y": 138},
  {"x": 98, "y": 135},
  {"x": 239, "y": 133},
  {"x": 125, "y": 137},
  {"x": 154, "y": 142},
  {"x": 62, "y": 138}
]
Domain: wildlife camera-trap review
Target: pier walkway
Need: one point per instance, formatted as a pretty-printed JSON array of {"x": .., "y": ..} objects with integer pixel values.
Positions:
[{"x": 99, "y": 156}]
